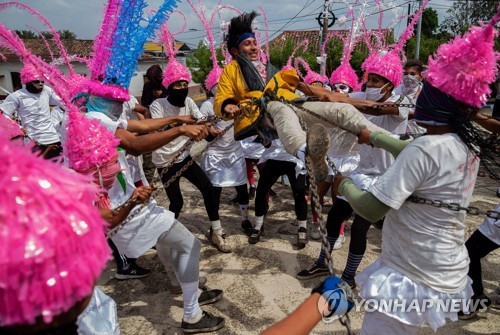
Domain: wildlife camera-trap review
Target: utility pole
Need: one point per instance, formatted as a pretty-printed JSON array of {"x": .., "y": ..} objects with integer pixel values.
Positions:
[
  {"x": 419, "y": 30},
  {"x": 323, "y": 36}
]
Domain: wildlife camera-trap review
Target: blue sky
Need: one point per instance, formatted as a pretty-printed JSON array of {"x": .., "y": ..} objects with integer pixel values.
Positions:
[{"x": 83, "y": 16}]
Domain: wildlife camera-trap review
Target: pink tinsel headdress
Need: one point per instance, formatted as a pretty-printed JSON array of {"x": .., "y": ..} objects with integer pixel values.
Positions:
[
  {"x": 213, "y": 77},
  {"x": 310, "y": 76},
  {"x": 9, "y": 128},
  {"x": 387, "y": 63},
  {"x": 29, "y": 73},
  {"x": 464, "y": 67},
  {"x": 65, "y": 85},
  {"x": 53, "y": 245},
  {"x": 88, "y": 143},
  {"x": 174, "y": 70},
  {"x": 344, "y": 73}
]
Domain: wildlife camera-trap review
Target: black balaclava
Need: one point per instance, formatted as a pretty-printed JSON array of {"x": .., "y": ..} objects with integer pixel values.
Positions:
[
  {"x": 35, "y": 86},
  {"x": 177, "y": 97}
]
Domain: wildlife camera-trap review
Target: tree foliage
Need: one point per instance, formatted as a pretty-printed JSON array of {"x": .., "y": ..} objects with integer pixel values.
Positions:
[
  {"x": 466, "y": 13},
  {"x": 430, "y": 22},
  {"x": 200, "y": 62},
  {"x": 28, "y": 34}
]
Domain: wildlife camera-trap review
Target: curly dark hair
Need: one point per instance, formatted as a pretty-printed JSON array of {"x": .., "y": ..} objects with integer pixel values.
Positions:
[{"x": 239, "y": 25}]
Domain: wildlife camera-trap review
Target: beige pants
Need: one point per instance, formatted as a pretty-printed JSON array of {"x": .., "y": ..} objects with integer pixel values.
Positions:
[{"x": 293, "y": 137}]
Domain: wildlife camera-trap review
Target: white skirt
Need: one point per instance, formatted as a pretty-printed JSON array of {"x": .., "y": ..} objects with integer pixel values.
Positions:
[
  {"x": 251, "y": 149},
  {"x": 225, "y": 170},
  {"x": 381, "y": 282},
  {"x": 345, "y": 164},
  {"x": 142, "y": 232},
  {"x": 99, "y": 317}
]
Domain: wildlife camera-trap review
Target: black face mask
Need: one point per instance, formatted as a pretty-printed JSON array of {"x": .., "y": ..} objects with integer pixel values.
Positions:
[
  {"x": 177, "y": 97},
  {"x": 35, "y": 89}
]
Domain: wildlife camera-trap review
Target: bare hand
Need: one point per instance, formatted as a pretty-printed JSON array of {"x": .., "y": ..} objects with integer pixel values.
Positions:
[
  {"x": 142, "y": 194},
  {"x": 231, "y": 110},
  {"x": 214, "y": 132},
  {"x": 364, "y": 136},
  {"x": 336, "y": 184},
  {"x": 196, "y": 132}
]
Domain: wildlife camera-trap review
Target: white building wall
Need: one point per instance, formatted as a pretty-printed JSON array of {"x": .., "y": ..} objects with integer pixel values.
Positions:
[{"x": 136, "y": 83}]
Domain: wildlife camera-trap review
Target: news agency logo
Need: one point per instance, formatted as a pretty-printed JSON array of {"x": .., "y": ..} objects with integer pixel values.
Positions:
[{"x": 334, "y": 305}]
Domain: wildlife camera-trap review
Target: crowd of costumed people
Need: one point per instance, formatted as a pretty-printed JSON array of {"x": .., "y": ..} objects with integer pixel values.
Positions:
[{"x": 398, "y": 143}]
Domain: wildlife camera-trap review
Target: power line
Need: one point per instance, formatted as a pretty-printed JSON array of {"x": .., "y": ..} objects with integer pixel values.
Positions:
[{"x": 307, "y": 4}]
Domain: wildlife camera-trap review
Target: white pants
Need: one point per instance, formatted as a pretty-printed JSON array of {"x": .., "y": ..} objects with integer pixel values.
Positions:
[{"x": 376, "y": 323}]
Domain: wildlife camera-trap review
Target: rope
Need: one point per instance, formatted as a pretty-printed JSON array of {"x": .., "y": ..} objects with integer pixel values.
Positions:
[{"x": 315, "y": 202}]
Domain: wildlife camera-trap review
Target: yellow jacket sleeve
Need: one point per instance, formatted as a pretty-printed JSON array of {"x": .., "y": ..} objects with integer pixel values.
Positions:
[{"x": 230, "y": 88}]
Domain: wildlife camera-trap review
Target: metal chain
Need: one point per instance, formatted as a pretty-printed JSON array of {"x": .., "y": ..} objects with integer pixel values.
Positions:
[
  {"x": 184, "y": 148},
  {"x": 471, "y": 210},
  {"x": 336, "y": 171},
  {"x": 393, "y": 105}
]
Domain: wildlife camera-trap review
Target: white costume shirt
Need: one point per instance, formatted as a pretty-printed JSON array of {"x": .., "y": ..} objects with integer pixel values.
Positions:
[
  {"x": 423, "y": 242},
  {"x": 162, "y": 108},
  {"x": 138, "y": 235},
  {"x": 33, "y": 110},
  {"x": 134, "y": 162},
  {"x": 129, "y": 106},
  {"x": 375, "y": 161}
]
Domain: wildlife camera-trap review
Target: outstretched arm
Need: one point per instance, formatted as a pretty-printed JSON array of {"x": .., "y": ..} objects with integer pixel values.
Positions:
[
  {"x": 487, "y": 123},
  {"x": 149, "y": 125},
  {"x": 226, "y": 100},
  {"x": 383, "y": 141},
  {"x": 301, "y": 321},
  {"x": 137, "y": 145},
  {"x": 362, "y": 202}
]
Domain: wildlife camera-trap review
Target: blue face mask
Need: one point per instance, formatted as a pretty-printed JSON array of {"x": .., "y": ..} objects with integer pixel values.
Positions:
[{"x": 111, "y": 108}]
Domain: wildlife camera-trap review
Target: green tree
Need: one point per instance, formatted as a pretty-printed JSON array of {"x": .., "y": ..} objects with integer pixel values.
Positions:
[
  {"x": 67, "y": 35},
  {"x": 26, "y": 34},
  {"x": 428, "y": 46},
  {"x": 47, "y": 34},
  {"x": 200, "y": 62},
  {"x": 279, "y": 54},
  {"x": 430, "y": 22},
  {"x": 466, "y": 13}
]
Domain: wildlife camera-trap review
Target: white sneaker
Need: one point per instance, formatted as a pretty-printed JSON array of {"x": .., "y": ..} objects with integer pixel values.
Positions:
[
  {"x": 315, "y": 233},
  {"x": 340, "y": 241}
]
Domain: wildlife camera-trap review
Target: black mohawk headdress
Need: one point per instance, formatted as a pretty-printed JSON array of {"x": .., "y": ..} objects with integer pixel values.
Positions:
[{"x": 239, "y": 26}]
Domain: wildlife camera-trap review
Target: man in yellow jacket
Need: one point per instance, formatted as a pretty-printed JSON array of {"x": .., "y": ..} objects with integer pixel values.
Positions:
[{"x": 241, "y": 97}]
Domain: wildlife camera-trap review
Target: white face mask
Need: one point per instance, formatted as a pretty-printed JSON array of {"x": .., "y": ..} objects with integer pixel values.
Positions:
[
  {"x": 341, "y": 88},
  {"x": 410, "y": 84},
  {"x": 374, "y": 93}
]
